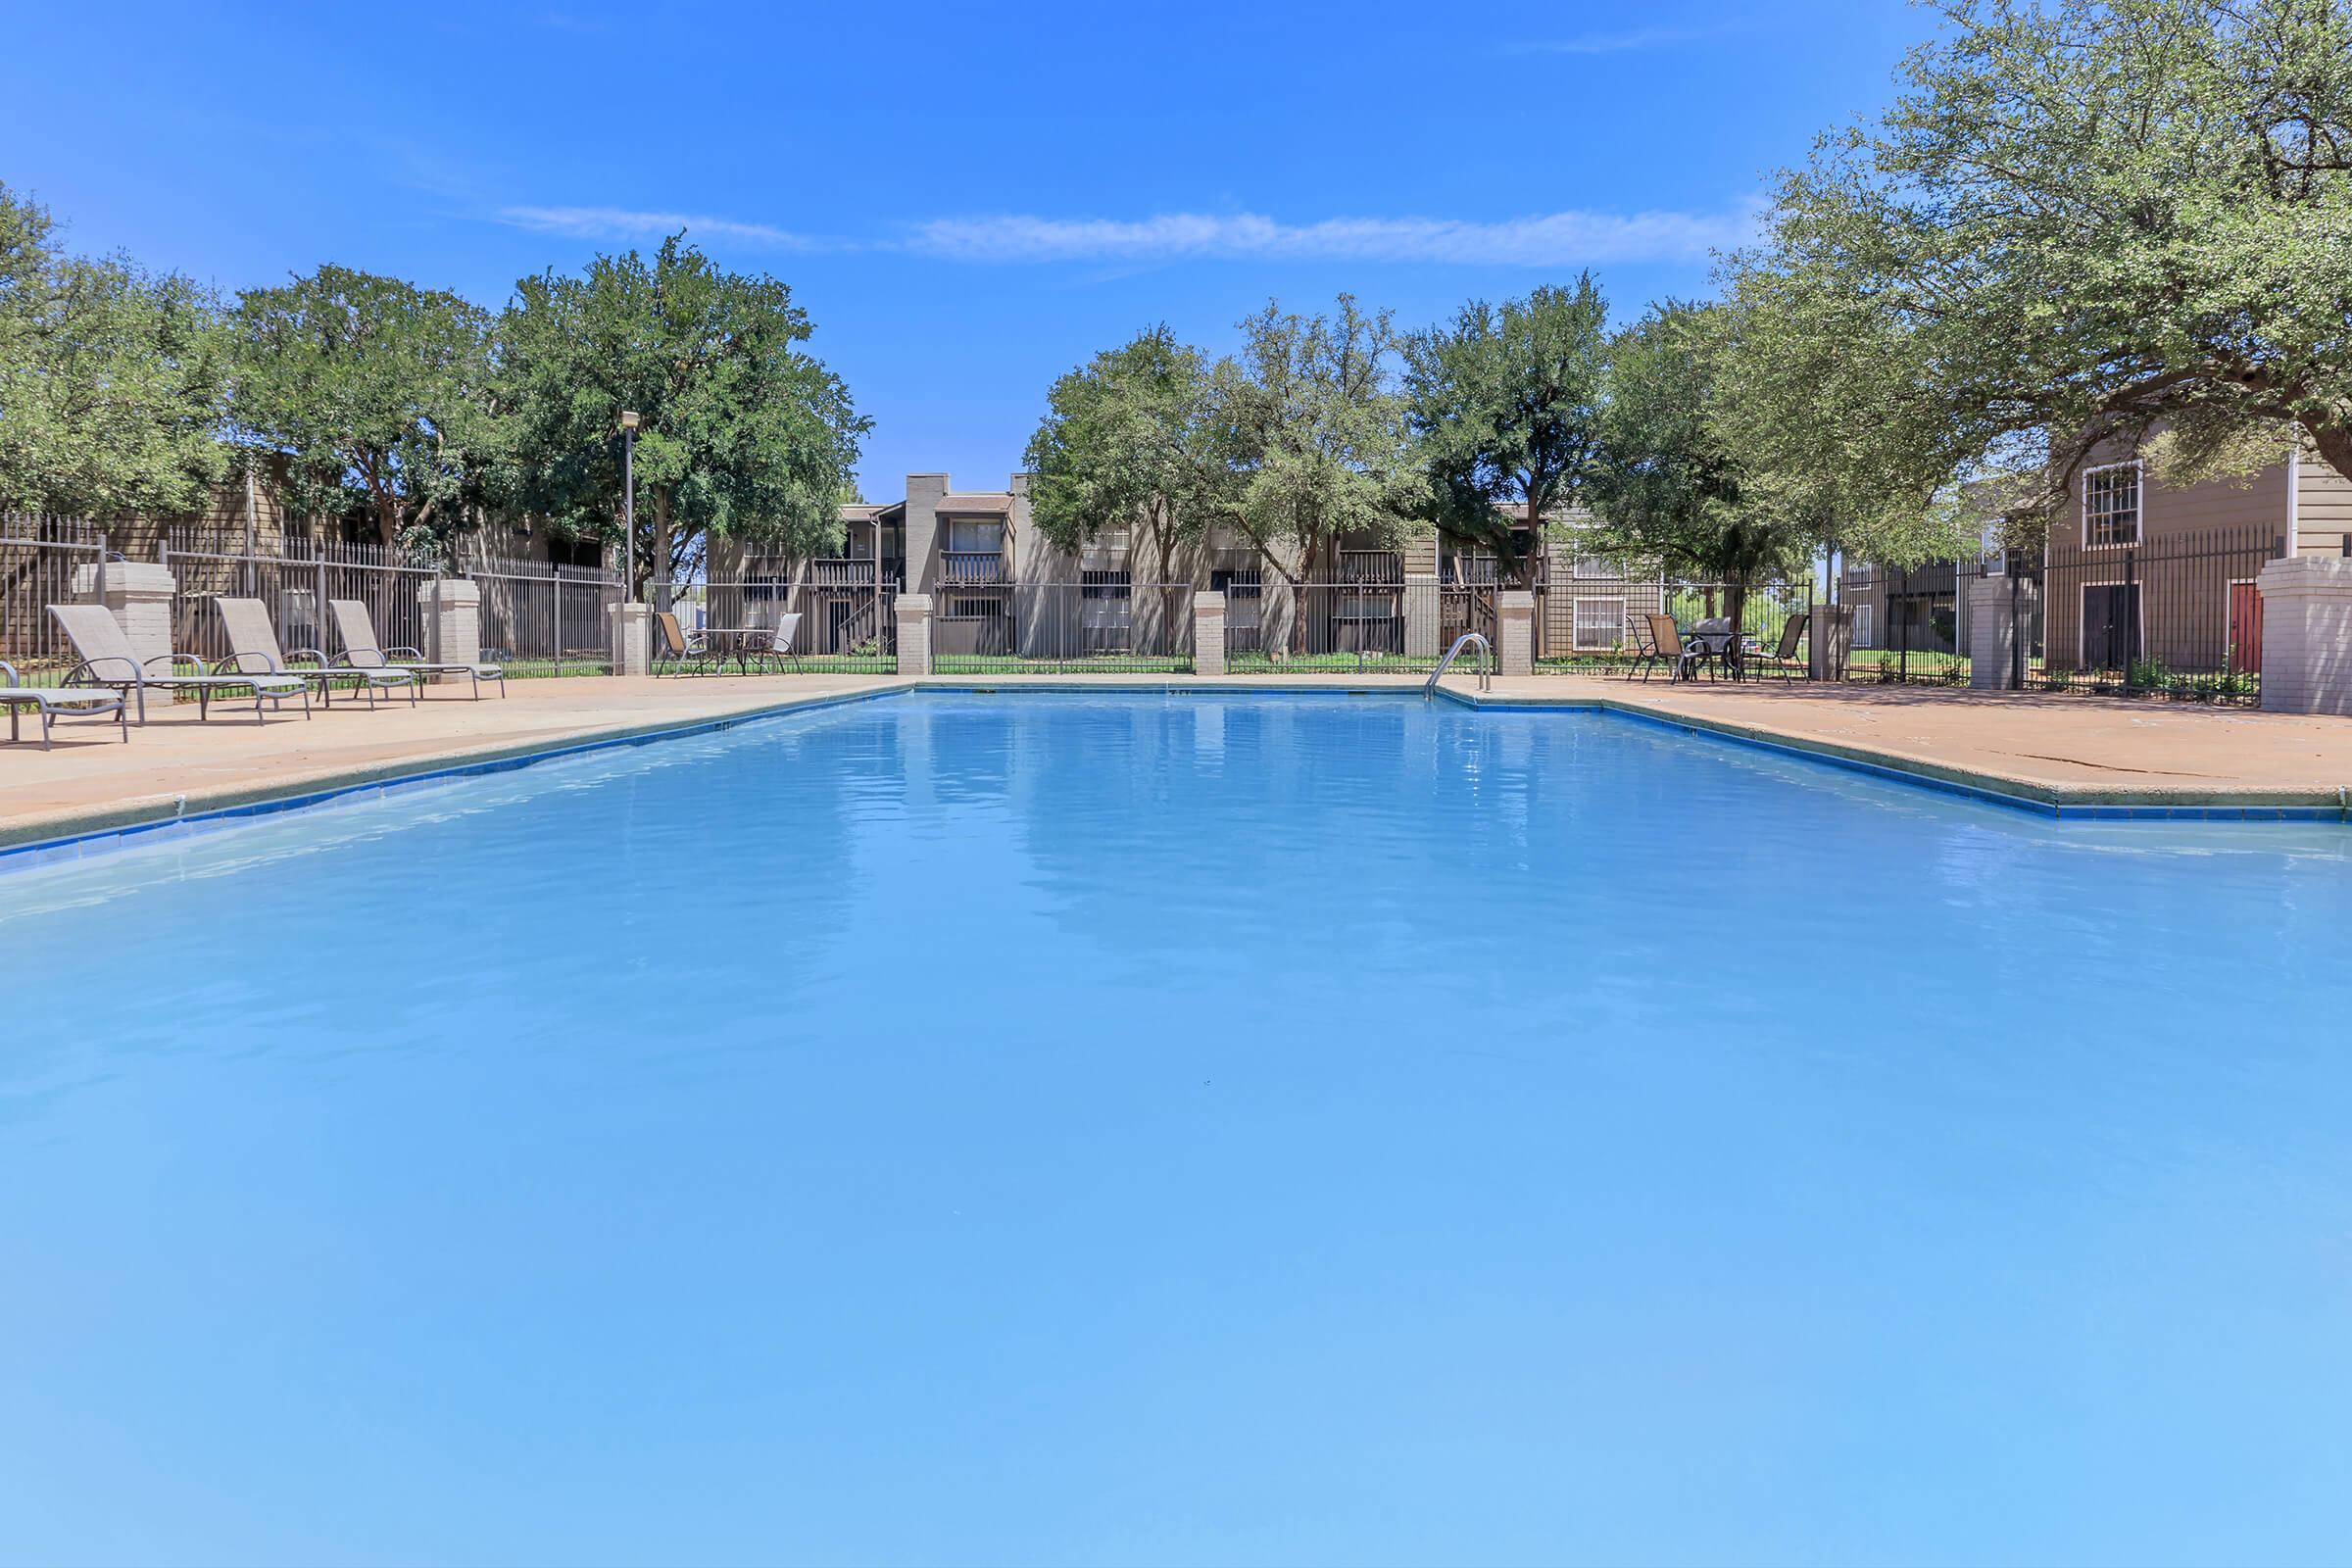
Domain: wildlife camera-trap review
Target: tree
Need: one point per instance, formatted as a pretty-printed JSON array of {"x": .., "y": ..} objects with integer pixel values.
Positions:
[
  {"x": 110, "y": 379},
  {"x": 743, "y": 434},
  {"x": 376, "y": 391},
  {"x": 2083, "y": 223},
  {"x": 1670, "y": 483},
  {"x": 1506, "y": 403},
  {"x": 1322, "y": 445},
  {"x": 1132, "y": 437}
]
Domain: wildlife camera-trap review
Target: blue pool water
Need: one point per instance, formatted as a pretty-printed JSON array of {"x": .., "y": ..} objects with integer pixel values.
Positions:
[{"x": 1172, "y": 1130}]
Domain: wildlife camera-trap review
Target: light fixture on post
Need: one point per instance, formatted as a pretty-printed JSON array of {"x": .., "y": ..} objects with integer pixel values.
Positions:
[{"x": 629, "y": 500}]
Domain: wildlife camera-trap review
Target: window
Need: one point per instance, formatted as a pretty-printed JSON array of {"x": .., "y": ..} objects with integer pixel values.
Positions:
[
  {"x": 1595, "y": 566},
  {"x": 1862, "y": 628},
  {"x": 1859, "y": 573},
  {"x": 974, "y": 536},
  {"x": 959, "y": 606},
  {"x": 2111, "y": 506},
  {"x": 1599, "y": 624}
]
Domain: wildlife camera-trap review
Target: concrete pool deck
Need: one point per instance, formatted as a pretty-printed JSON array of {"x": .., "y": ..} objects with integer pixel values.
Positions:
[{"x": 2063, "y": 751}]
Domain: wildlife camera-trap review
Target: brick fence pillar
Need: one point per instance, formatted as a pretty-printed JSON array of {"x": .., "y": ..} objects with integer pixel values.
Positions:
[
  {"x": 452, "y": 623},
  {"x": 1991, "y": 634},
  {"x": 1515, "y": 619},
  {"x": 632, "y": 639},
  {"x": 1208, "y": 634},
  {"x": 139, "y": 595},
  {"x": 914, "y": 634},
  {"x": 2307, "y": 635}
]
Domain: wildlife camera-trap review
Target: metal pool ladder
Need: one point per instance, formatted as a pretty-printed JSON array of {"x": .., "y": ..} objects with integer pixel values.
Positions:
[{"x": 1485, "y": 665}]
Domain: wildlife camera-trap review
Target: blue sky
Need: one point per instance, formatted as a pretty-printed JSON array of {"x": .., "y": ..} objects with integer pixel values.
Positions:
[{"x": 967, "y": 199}]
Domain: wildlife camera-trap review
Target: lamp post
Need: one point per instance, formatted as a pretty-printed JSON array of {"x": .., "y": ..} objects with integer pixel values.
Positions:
[{"x": 628, "y": 498}]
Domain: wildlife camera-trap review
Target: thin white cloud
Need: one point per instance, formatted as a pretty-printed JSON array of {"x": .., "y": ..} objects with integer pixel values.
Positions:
[
  {"x": 620, "y": 222},
  {"x": 1633, "y": 41},
  {"x": 1552, "y": 239},
  {"x": 1572, "y": 238}
]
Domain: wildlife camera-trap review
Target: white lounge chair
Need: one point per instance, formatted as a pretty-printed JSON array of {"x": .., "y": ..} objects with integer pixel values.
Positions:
[
  {"x": 51, "y": 701},
  {"x": 361, "y": 651},
  {"x": 108, "y": 659},
  {"x": 255, "y": 641}
]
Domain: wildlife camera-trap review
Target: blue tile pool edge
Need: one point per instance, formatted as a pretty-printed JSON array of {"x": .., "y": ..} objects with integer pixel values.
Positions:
[{"x": 33, "y": 853}]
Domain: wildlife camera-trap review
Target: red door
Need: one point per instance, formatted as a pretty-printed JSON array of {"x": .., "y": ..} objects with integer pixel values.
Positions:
[{"x": 2245, "y": 629}]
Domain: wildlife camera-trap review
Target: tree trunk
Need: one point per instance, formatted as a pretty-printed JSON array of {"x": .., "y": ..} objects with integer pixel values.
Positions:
[{"x": 2334, "y": 442}]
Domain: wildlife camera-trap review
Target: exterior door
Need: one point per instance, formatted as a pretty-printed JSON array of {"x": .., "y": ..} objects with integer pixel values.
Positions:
[
  {"x": 2110, "y": 626},
  {"x": 2245, "y": 629}
]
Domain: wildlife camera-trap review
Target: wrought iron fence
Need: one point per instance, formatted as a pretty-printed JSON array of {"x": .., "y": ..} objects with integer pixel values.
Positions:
[
  {"x": 1104, "y": 623},
  {"x": 2178, "y": 616},
  {"x": 1915, "y": 627},
  {"x": 297, "y": 586},
  {"x": 1591, "y": 623},
  {"x": 847, "y": 622},
  {"x": 1360, "y": 623},
  {"x": 542, "y": 619},
  {"x": 45, "y": 561}
]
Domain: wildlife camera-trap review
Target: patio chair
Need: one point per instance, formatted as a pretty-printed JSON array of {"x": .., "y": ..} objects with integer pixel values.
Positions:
[
  {"x": 1670, "y": 649},
  {"x": 51, "y": 701},
  {"x": 676, "y": 645},
  {"x": 107, "y": 659},
  {"x": 361, "y": 651},
  {"x": 254, "y": 642},
  {"x": 780, "y": 641},
  {"x": 1783, "y": 658},
  {"x": 1644, "y": 645}
]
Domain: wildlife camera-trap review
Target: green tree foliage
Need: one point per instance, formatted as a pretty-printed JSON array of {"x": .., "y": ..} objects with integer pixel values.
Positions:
[
  {"x": 377, "y": 392},
  {"x": 1673, "y": 482},
  {"x": 1506, "y": 404},
  {"x": 2084, "y": 220},
  {"x": 1323, "y": 445},
  {"x": 110, "y": 379},
  {"x": 1133, "y": 438},
  {"x": 743, "y": 434}
]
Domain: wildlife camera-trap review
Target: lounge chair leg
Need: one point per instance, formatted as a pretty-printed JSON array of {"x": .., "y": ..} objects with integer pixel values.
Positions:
[{"x": 12, "y": 726}]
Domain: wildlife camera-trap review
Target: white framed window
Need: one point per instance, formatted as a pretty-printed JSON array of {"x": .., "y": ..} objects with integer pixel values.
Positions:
[
  {"x": 1860, "y": 574},
  {"x": 1598, "y": 623},
  {"x": 1864, "y": 634},
  {"x": 2111, "y": 506},
  {"x": 1594, "y": 567}
]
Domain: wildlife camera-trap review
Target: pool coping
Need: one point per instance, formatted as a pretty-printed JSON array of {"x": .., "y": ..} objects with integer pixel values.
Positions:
[{"x": 107, "y": 828}]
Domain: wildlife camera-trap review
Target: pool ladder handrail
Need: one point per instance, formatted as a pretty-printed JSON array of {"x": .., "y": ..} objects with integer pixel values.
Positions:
[{"x": 1485, "y": 665}]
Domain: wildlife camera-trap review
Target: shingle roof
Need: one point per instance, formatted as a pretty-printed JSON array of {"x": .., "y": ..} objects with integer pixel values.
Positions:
[{"x": 976, "y": 501}]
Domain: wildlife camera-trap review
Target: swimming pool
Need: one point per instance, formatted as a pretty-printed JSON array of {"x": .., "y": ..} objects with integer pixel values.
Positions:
[{"x": 1173, "y": 1129}]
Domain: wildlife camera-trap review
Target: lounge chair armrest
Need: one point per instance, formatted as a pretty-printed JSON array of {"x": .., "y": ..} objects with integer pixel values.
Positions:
[
  {"x": 234, "y": 664},
  {"x": 173, "y": 662},
  {"x": 295, "y": 656},
  {"x": 90, "y": 668},
  {"x": 413, "y": 654},
  {"x": 10, "y": 670}
]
